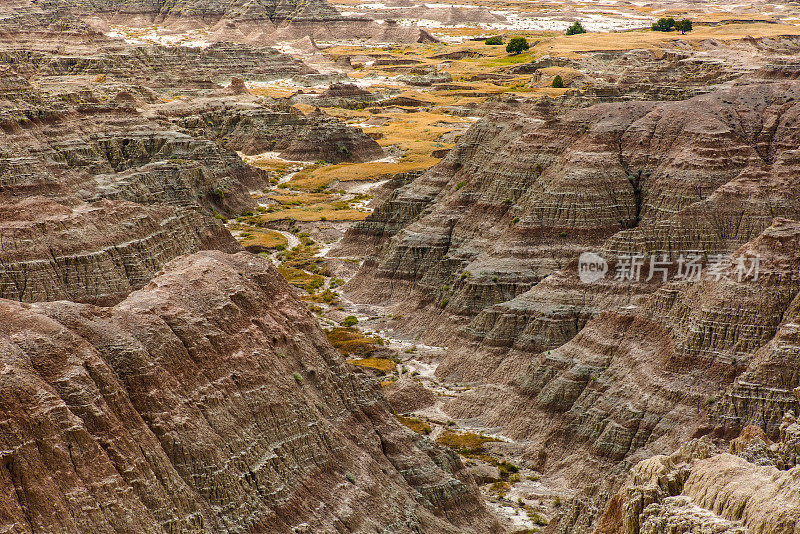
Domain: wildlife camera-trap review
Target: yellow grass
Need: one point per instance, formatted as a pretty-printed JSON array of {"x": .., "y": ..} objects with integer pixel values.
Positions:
[
  {"x": 589, "y": 42},
  {"x": 313, "y": 212},
  {"x": 300, "y": 278},
  {"x": 352, "y": 341},
  {"x": 275, "y": 91},
  {"x": 414, "y": 133},
  {"x": 264, "y": 238},
  {"x": 464, "y": 443},
  {"x": 380, "y": 364},
  {"x": 417, "y": 425},
  {"x": 289, "y": 198},
  {"x": 268, "y": 164}
]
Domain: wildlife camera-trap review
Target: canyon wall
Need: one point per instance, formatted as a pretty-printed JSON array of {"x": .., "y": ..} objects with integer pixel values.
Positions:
[
  {"x": 207, "y": 401},
  {"x": 481, "y": 254},
  {"x": 106, "y": 174}
]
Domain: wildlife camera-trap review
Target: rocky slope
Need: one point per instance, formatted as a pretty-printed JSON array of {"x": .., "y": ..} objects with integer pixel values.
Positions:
[
  {"x": 106, "y": 176},
  {"x": 525, "y": 191},
  {"x": 208, "y": 401},
  {"x": 95, "y": 252},
  {"x": 216, "y": 21},
  {"x": 699, "y": 488},
  {"x": 481, "y": 253}
]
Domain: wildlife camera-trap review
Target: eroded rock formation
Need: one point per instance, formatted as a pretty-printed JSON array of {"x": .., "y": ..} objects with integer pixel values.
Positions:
[
  {"x": 207, "y": 401},
  {"x": 105, "y": 175},
  {"x": 481, "y": 253}
]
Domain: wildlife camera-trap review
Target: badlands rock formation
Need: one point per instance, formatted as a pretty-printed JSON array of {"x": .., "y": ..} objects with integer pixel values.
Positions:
[
  {"x": 529, "y": 187},
  {"x": 156, "y": 378},
  {"x": 481, "y": 253},
  {"x": 240, "y": 21},
  {"x": 209, "y": 401},
  {"x": 106, "y": 176},
  {"x": 698, "y": 488}
]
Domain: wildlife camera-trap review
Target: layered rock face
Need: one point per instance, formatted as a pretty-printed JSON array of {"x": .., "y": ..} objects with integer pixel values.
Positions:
[
  {"x": 96, "y": 252},
  {"x": 97, "y": 199},
  {"x": 524, "y": 192},
  {"x": 677, "y": 71},
  {"x": 242, "y": 10},
  {"x": 604, "y": 375},
  {"x": 701, "y": 489},
  {"x": 105, "y": 177},
  {"x": 207, "y": 401},
  {"x": 253, "y": 129},
  {"x": 238, "y": 21}
]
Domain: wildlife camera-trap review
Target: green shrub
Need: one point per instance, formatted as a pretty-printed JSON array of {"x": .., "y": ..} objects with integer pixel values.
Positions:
[
  {"x": 495, "y": 40},
  {"x": 684, "y": 26},
  {"x": 558, "y": 82},
  {"x": 336, "y": 282},
  {"x": 664, "y": 25},
  {"x": 349, "y": 321},
  {"x": 298, "y": 377},
  {"x": 461, "y": 184},
  {"x": 507, "y": 469},
  {"x": 517, "y": 45},
  {"x": 575, "y": 29}
]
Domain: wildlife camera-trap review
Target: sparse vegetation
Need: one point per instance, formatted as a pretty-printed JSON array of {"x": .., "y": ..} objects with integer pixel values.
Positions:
[
  {"x": 683, "y": 26},
  {"x": 507, "y": 469},
  {"x": 575, "y": 29},
  {"x": 300, "y": 278},
  {"x": 351, "y": 341},
  {"x": 379, "y": 364},
  {"x": 466, "y": 443},
  {"x": 517, "y": 45},
  {"x": 266, "y": 239},
  {"x": 536, "y": 518},
  {"x": 665, "y": 24},
  {"x": 417, "y": 425}
]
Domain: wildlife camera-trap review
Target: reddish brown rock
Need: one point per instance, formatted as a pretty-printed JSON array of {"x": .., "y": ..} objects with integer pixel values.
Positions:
[
  {"x": 209, "y": 400},
  {"x": 96, "y": 252},
  {"x": 407, "y": 395}
]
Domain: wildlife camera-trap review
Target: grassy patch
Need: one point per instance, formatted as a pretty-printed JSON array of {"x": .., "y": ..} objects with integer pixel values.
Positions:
[
  {"x": 417, "y": 425},
  {"x": 299, "y": 278},
  {"x": 263, "y": 239},
  {"x": 467, "y": 443},
  {"x": 513, "y": 60},
  {"x": 313, "y": 212},
  {"x": 327, "y": 297},
  {"x": 352, "y": 341},
  {"x": 379, "y": 364}
]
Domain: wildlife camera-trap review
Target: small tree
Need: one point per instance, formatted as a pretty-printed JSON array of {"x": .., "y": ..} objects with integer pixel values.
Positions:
[
  {"x": 684, "y": 26},
  {"x": 575, "y": 29},
  {"x": 517, "y": 45},
  {"x": 558, "y": 82},
  {"x": 664, "y": 25},
  {"x": 496, "y": 40}
]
